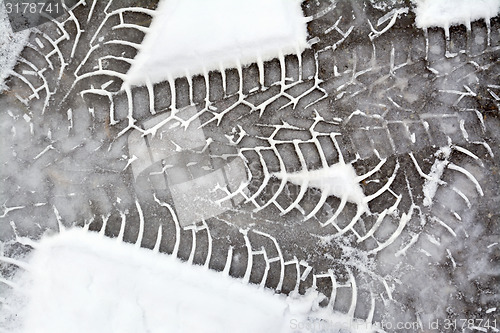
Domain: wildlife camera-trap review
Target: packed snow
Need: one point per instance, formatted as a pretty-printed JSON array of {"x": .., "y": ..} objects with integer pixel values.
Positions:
[
  {"x": 189, "y": 37},
  {"x": 80, "y": 281},
  {"x": 445, "y": 13}
]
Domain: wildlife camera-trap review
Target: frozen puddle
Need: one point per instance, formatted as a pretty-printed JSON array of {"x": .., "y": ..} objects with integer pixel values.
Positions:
[{"x": 189, "y": 37}]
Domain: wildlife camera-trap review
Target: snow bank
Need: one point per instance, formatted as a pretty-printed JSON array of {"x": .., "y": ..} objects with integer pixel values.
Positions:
[
  {"x": 11, "y": 44},
  {"x": 194, "y": 36},
  {"x": 445, "y": 13}
]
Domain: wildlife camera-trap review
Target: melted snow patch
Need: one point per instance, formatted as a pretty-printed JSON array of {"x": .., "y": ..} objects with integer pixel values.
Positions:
[
  {"x": 445, "y": 13},
  {"x": 189, "y": 37}
]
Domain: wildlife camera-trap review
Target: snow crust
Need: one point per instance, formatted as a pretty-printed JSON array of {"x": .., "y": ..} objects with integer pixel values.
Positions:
[
  {"x": 445, "y": 13},
  {"x": 189, "y": 37}
]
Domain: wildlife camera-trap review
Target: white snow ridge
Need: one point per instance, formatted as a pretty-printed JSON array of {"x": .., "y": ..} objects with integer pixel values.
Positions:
[{"x": 189, "y": 37}]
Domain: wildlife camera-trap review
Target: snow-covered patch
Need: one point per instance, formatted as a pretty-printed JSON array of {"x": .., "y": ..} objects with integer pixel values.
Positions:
[
  {"x": 79, "y": 281},
  {"x": 189, "y": 37},
  {"x": 11, "y": 44},
  {"x": 386, "y": 5},
  {"x": 445, "y": 13},
  {"x": 339, "y": 180}
]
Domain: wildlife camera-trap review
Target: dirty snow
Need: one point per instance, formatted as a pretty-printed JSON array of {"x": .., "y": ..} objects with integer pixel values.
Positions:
[
  {"x": 196, "y": 36},
  {"x": 445, "y": 13}
]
